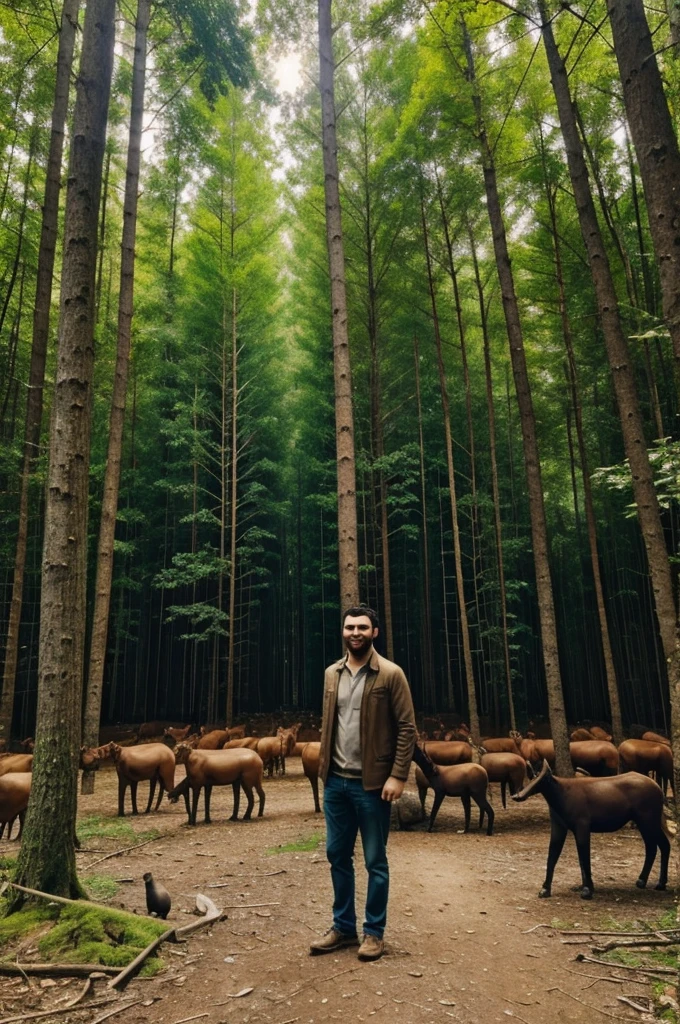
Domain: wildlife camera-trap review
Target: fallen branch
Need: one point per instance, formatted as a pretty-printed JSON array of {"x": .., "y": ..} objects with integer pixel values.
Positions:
[
  {"x": 527, "y": 931},
  {"x": 57, "y": 970},
  {"x": 582, "y": 958},
  {"x": 210, "y": 913},
  {"x": 117, "y": 1009},
  {"x": 196, "y": 1016},
  {"x": 636, "y": 1006},
  {"x": 661, "y": 931},
  {"x": 249, "y": 906},
  {"x": 589, "y": 1006},
  {"x": 128, "y": 849},
  {"x": 632, "y": 945},
  {"x": 52, "y": 1013},
  {"x": 72, "y": 903}
]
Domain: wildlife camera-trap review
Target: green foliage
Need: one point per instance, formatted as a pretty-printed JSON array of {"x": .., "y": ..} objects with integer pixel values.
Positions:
[
  {"x": 85, "y": 935},
  {"x": 96, "y": 826},
  {"x": 308, "y": 844},
  {"x": 100, "y": 887}
]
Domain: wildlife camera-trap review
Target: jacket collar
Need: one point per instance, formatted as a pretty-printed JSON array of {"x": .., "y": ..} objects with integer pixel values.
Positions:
[{"x": 373, "y": 663}]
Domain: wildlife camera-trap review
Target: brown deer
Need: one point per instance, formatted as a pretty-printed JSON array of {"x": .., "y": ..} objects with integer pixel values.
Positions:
[
  {"x": 584, "y": 805},
  {"x": 468, "y": 781},
  {"x": 208, "y": 768}
]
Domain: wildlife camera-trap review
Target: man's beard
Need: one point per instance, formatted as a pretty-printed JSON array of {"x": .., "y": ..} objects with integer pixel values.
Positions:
[{"x": 359, "y": 649}]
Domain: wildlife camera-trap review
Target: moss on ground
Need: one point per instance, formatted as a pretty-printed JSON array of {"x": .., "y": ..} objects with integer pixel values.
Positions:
[
  {"x": 307, "y": 845},
  {"x": 97, "y": 826},
  {"x": 82, "y": 934},
  {"x": 100, "y": 887}
]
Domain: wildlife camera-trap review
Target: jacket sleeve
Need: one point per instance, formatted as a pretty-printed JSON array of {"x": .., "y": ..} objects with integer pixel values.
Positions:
[{"x": 405, "y": 720}]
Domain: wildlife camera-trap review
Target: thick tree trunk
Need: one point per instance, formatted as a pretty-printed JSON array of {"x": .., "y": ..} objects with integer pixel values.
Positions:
[
  {"x": 632, "y": 427},
  {"x": 539, "y": 529},
  {"x": 47, "y": 858},
  {"x": 495, "y": 490},
  {"x": 41, "y": 322},
  {"x": 473, "y": 717},
  {"x": 656, "y": 146},
  {"x": 234, "y": 510},
  {"x": 429, "y": 693},
  {"x": 348, "y": 554},
  {"x": 107, "y": 526}
]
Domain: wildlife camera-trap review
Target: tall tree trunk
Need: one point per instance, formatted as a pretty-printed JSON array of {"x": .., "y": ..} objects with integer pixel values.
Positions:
[
  {"x": 41, "y": 322},
  {"x": 47, "y": 858},
  {"x": 107, "y": 526},
  {"x": 618, "y": 354},
  {"x": 427, "y": 661},
  {"x": 539, "y": 529},
  {"x": 572, "y": 377},
  {"x": 234, "y": 508},
  {"x": 348, "y": 554},
  {"x": 495, "y": 490},
  {"x": 473, "y": 717},
  {"x": 656, "y": 146}
]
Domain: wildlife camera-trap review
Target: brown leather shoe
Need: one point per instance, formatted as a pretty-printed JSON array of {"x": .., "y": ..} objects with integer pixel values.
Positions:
[
  {"x": 372, "y": 948},
  {"x": 332, "y": 940}
]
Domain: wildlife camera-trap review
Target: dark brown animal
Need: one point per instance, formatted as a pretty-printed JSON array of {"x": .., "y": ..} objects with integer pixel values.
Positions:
[
  {"x": 154, "y": 762},
  {"x": 598, "y": 733},
  {"x": 581, "y": 734},
  {"x": 151, "y": 730},
  {"x": 15, "y": 763},
  {"x": 91, "y": 757},
  {"x": 247, "y": 742},
  {"x": 15, "y": 789},
  {"x": 208, "y": 768},
  {"x": 597, "y": 757},
  {"x": 310, "y": 766},
  {"x": 645, "y": 757},
  {"x": 500, "y": 745},
  {"x": 448, "y": 752},
  {"x": 157, "y": 897},
  {"x": 655, "y": 737},
  {"x": 507, "y": 769},
  {"x": 213, "y": 740},
  {"x": 585, "y": 805},
  {"x": 468, "y": 781}
]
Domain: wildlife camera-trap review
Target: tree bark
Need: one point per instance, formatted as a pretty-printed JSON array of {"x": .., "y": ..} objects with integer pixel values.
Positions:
[
  {"x": 429, "y": 692},
  {"x": 41, "y": 323},
  {"x": 348, "y": 553},
  {"x": 539, "y": 529},
  {"x": 656, "y": 146},
  {"x": 495, "y": 490},
  {"x": 107, "y": 526},
  {"x": 473, "y": 717},
  {"x": 47, "y": 857}
]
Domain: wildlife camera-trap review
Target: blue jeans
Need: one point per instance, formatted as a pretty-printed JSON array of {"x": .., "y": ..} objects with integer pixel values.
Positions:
[{"x": 349, "y": 809}]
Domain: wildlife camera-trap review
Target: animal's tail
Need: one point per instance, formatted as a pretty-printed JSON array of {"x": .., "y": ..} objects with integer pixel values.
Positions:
[{"x": 181, "y": 790}]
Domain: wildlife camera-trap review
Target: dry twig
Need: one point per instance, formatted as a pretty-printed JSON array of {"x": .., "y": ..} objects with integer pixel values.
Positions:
[
  {"x": 117, "y": 1009},
  {"x": 52, "y": 1013},
  {"x": 196, "y": 1016},
  {"x": 589, "y": 1006},
  {"x": 582, "y": 958},
  {"x": 57, "y": 970},
  {"x": 128, "y": 849}
]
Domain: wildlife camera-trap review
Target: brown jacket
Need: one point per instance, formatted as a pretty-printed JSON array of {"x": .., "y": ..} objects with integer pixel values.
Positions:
[{"x": 388, "y": 726}]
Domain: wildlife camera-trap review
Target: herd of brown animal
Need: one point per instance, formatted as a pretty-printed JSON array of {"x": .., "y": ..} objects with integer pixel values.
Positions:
[{"x": 457, "y": 767}]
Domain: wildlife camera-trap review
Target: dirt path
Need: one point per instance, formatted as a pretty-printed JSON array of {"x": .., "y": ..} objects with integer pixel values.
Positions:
[{"x": 462, "y": 941}]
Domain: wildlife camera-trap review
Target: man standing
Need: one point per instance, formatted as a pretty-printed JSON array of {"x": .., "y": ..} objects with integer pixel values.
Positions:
[{"x": 367, "y": 738}]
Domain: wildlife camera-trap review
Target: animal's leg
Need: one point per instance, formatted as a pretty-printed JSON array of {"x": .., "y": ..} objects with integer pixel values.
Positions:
[
  {"x": 207, "y": 793},
  {"x": 133, "y": 796},
  {"x": 248, "y": 790},
  {"x": 236, "y": 788},
  {"x": 161, "y": 790},
  {"x": 22, "y": 816},
  {"x": 439, "y": 795},
  {"x": 283, "y": 765},
  {"x": 314, "y": 782},
  {"x": 465, "y": 800},
  {"x": 194, "y": 804},
  {"x": 558, "y": 834},
  {"x": 582, "y": 836},
  {"x": 486, "y": 808},
  {"x": 649, "y": 839},
  {"x": 665, "y": 851},
  {"x": 503, "y": 787},
  {"x": 152, "y": 790},
  {"x": 122, "y": 786},
  {"x": 260, "y": 793}
]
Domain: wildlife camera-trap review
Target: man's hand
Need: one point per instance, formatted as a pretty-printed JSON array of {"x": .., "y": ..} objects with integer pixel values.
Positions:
[{"x": 392, "y": 789}]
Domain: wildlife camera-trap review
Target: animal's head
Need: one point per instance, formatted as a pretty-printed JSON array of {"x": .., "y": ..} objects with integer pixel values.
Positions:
[
  {"x": 426, "y": 765},
  {"x": 537, "y": 781},
  {"x": 148, "y": 877},
  {"x": 115, "y": 752},
  {"x": 516, "y": 736},
  {"x": 89, "y": 759},
  {"x": 182, "y": 751}
]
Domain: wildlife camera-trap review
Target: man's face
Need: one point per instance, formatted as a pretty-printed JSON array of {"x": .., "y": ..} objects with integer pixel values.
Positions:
[{"x": 358, "y": 634}]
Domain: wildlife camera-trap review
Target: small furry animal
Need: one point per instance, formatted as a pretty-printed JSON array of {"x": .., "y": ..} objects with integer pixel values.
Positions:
[{"x": 157, "y": 897}]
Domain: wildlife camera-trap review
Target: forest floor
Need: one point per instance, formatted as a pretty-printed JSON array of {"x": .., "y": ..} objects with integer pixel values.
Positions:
[{"x": 467, "y": 938}]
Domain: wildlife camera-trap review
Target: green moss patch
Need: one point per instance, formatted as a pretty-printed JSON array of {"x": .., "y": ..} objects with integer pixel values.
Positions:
[
  {"x": 96, "y": 826},
  {"x": 100, "y": 887},
  {"x": 310, "y": 844},
  {"x": 82, "y": 935}
]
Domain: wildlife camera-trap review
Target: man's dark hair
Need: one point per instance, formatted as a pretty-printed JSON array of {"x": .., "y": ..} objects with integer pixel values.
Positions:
[{"x": 362, "y": 609}]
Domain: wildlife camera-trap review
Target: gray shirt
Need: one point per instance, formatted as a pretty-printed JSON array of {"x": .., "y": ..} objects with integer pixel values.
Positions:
[{"x": 347, "y": 738}]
